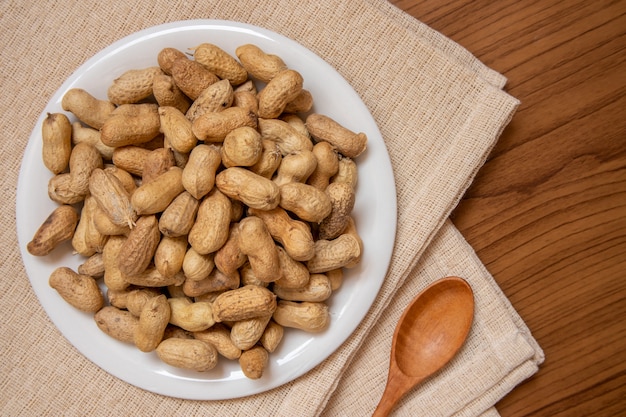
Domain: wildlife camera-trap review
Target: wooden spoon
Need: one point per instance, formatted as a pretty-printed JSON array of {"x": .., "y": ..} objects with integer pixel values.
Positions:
[{"x": 430, "y": 332}]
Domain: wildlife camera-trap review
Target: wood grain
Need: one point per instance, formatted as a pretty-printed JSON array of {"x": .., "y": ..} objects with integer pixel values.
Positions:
[{"x": 547, "y": 212}]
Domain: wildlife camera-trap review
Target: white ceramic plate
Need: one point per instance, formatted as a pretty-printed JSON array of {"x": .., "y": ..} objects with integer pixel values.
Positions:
[{"x": 374, "y": 212}]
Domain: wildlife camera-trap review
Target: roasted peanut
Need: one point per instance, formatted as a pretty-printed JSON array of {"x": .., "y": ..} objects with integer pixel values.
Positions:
[
  {"x": 83, "y": 160},
  {"x": 190, "y": 316},
  {"x": 179, "y": 216},
  {"x": 119, "y": 324},
  {"x": 132, "y": 86},
  {"x": 341, "y": 197},
  {"x": 336, "y": 278},
  {"x": 308, "y": 316},
  {"x": 157, "y": 162},
  {"x": 214, "y": 126},
  {"x": 219, "y": 336},
  {"x": 177, "y": 129},
  {"x": 246, "y": 100},
  {"x": 295, "y": 167},
  {"x": 256, "y": 242},
  {"x": 302, "y": 103},
  {"x": 167, "y": 94},
  {"x": 246, "y": 333},
  {"x": 249, "y": 87},
  {"x": 214, "y": 98},
  {"x": 294, "y": 235},
  {"x": 237, "y": 209},
  {"x": 193, "y": 354},
  {"x": 112, "y": 197},
  {"x": 294, "y": 274},
  {"x": 131, "y": 124},
  {"x": 272, "y": 336},
  {"x": 153, "y": 320},
  {"x": 352, "y": 230},
  {"x": 253, "y": 362},
  {"x": 333, "y": 254},
  {"x": 60, "y": 191},
  {"x": 215, "y": 282},
  {"x": 247, "y": 277},
  {"x": 296, "y": 122},
  {"x": 87, "y": 239},
  {"x": 269, "y": 161},
  {"x": 166, "y": 58},
  {"x": 56, "y": 135},
  {"x": 88, "y": 109},
  {"x": 91, "y": 136},
  {"x": 210, "y": 231},
  {"x": 191, "y": 77},
  {"x": 80, "y": 291},
  {"x": 176, "y": 291},
  {"x": 180, "y": 158},
  {"x": 138, "y": 249},
  {"x": 280, "y": 90},
  {"x": 220, "y": 63},
  {"x": 93, "y": 266},
  {"x": 113, "y": 277},
  {"x": 252, "y": 189},
  {"x": 131, "y": 159},
  {"x": 288, "y": 139},
  {"x": 196, "y": 266},
  {"x": 259, "y": 64},
  {"x": 348, "y": 143},
  {"x": 229, "y": 257},
  {"x": 347, "y": 172},
  {"x": 137, "y": 298},
  {"x": 175, "y": 332},
  {"x": 152, "y": 278},
  {"x": 155, "y": 196},
  {"x": 105, "y": 225},
  {"x": 170, "y": 254},
  {"x": 242, "y": 147},
  {"x": 199, "y": 173},
  {"x": 305, "y": 201},
  {"x": 244, "y": 303},
  {"x": 317, "y": 289},
  {"x": 125, "y": 178},
  {"x": 58, "y": 227},
  {"x": 326, "y": 167}
]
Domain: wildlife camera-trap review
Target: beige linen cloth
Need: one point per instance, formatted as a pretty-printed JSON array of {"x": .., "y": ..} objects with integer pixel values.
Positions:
[{"x": 440, "y": 112}]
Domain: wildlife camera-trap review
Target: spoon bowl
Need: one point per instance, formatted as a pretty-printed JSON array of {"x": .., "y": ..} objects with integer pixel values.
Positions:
[{"x": 429, "y": 333}]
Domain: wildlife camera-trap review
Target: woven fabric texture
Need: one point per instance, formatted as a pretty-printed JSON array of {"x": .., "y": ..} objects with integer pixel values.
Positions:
[{"x": 440, "y": 112}]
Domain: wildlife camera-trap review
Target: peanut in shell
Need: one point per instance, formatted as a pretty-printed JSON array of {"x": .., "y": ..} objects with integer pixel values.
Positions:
[
  {"x": 58, "y": 227},
  {"x": 56, "y": 135}
]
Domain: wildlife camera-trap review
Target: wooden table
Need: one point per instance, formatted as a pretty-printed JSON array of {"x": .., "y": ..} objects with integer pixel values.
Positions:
[{"x": 547, "y": 212}]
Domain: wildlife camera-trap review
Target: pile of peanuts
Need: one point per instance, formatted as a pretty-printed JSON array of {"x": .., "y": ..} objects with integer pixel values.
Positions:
[{"x": 217, "y": 213}]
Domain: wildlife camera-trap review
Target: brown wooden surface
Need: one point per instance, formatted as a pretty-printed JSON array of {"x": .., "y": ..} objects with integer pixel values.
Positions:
[{"x": 547, "y": 212}]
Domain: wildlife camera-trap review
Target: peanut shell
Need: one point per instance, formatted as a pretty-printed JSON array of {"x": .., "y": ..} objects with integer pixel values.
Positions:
[
  {"x": 193, "y": 354},
  {"x": 56, "y": 135},
  {"x": 280, "y": 90},
  {"x": 220, "y": 63},
  {"x": 58, "y": 227},
  {"x": 88, "y": 109},
  {"x": 132, "y": 86},
  {"x": 244, "y": 303},
  {"x": 251, "y": 189},
  {"x": 140, "y": 246},
  {"x": 80, "y": 291},
  {"x": 210, "y": 231}
]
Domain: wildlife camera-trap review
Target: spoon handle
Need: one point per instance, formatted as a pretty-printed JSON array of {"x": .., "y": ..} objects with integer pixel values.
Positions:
[
  {"x": 397, "y": 385},
  {"x": 386, "y": 404}
]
